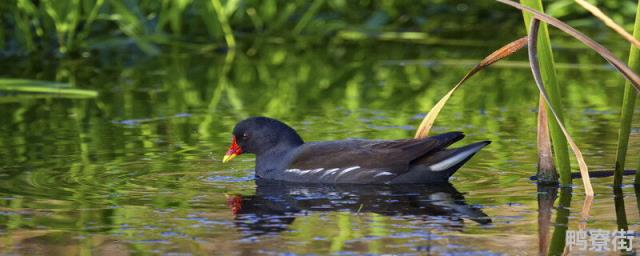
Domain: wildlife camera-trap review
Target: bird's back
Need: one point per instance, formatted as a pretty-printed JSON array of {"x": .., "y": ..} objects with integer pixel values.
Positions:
[{"x": 357, "y": 161}]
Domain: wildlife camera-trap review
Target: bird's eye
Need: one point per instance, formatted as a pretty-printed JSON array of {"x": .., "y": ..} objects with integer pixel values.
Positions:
[{"x": 245, "y": 135}]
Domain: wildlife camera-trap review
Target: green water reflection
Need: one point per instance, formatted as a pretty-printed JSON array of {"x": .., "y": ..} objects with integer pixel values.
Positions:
[{"x": 138, "y": 170}]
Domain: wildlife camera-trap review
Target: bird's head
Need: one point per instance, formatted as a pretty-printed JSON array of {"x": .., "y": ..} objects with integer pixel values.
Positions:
[{"x": 260, "y": 134}]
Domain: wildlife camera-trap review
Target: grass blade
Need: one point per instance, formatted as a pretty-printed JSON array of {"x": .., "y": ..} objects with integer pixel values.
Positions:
[
  {"x": 131, "y": 22},
  {"x": 32, "y": 86},
  {"x": 25, "y": 82},
  {"x": 584, "y": 213},
  {"x": 604, "y": 52},
  {"x": 535, "y": 69},
  {"x": 609, "y": 22},
  {"x": 503, "y": 52},
  {"x": 308, "y": 15}
]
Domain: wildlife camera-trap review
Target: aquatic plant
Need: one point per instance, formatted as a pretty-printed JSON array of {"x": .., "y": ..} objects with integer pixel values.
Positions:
[
  {"x": 630, "y": 95},
  {"x": 542, "y": 81},
  {"x": 70, "y": 27},
  {"x": 43, "y": 87},
  {"x": 626, "y": 113},
  {"x": 548, "y": 72}
]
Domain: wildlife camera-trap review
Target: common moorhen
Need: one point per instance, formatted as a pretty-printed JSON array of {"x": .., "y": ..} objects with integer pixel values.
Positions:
[{"x": 282, "y": 155}]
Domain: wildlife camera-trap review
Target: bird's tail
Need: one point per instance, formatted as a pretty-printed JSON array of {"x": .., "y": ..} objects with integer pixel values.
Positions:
[
  {"x": 455, "y": 157},
  {"x": 439, "y": 166}
]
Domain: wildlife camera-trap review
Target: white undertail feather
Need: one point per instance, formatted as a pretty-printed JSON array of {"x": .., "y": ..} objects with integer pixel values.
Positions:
[{"x": 455, "y": 159}]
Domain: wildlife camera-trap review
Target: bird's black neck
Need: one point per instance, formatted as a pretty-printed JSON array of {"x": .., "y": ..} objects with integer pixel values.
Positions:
[{"x": 276, "y": 158}]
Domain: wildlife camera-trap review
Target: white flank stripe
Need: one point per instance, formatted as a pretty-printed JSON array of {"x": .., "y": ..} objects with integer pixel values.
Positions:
[
  {"x": 292, "y": 170},
  {"x": 333, "y": 170},
  {"x": 298, "y": 171},
  {"x": 382, "y": 174},
  {"x": 345, "y": 171},
  {"x": 330, "y": 171}
]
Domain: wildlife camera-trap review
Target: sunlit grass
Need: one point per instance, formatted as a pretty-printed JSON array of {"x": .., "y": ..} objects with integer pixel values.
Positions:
[
  {"x": 70, "y": 26},
  {"x": 52, "y": 88}
]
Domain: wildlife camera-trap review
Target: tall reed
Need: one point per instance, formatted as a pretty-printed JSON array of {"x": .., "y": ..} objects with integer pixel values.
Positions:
[
  {"x": 628, "y": 104},
  {"x": 547, "y": 64}
]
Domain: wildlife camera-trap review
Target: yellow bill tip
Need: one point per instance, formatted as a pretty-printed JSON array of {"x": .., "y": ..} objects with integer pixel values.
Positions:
[{"x": 228, "y": 158}]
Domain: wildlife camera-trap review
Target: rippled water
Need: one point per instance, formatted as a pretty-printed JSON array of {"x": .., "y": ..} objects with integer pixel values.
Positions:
[{"x": 138, "y": 169}]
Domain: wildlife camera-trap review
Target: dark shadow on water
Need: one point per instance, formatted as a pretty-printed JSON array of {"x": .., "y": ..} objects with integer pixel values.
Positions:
[{"x": 276, "y": 205}]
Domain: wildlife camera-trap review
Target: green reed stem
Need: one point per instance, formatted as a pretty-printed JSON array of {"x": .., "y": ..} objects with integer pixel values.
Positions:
[
  {"x": 224, "y": 22},
  {"x": 621, "y": 214},
  {"x": 548, "y": 70},
  {"x": 628, "y": 104}
]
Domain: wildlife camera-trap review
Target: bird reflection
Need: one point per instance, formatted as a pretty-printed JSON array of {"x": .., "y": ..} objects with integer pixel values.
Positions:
[{"x": 275, "y": 205}]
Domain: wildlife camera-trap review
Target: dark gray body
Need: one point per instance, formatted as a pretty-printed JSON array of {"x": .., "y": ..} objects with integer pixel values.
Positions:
[{"x": 367, "y": 161}]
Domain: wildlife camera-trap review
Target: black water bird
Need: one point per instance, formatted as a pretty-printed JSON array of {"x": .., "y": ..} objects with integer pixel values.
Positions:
[{"x": 281, "y": 154}]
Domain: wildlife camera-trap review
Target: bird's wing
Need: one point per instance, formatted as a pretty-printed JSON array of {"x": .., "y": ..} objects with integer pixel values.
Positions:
[{"x": 361, "y": 161}]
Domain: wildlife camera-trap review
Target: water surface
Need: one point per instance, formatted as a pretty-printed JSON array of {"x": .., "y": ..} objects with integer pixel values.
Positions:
[{"x": 138, "y": 169}]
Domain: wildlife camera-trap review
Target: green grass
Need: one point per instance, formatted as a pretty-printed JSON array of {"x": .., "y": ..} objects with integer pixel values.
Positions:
[
  {"x": 70, "y": 26},
  {"x": 43, "y": 87}
]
